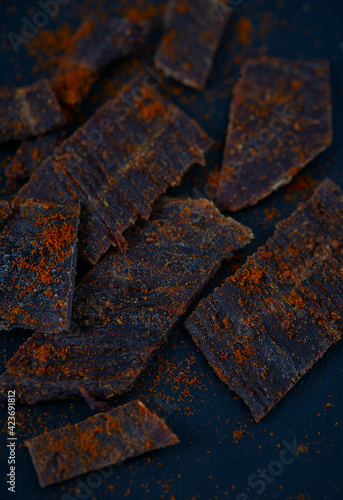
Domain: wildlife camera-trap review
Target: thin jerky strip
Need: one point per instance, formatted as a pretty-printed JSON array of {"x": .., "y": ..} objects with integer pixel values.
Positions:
[
  {"x": 267, "y": 326},
  {"x": 28, "y": 156},
  {"x": 96, "y": 43},
  {"x": 102, "y": 440},
  {"x": 119, "y": 162},
  {"x": 26, "y": 111},
  {"x": 280, "y": 120},
  {"x": 38, "y": 250},
  {"x": 125, "y": 307},
  {"x": 193, "y": 31}
]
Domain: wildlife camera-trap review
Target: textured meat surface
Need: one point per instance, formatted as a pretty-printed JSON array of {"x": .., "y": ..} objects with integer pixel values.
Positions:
[
  {"x": 102, "y": 440},
  {"x": 193, "y": 31},
  {"x": 266, "y": 326},
  {"x": 95, "y": 43},
  {"x": 119, "y": 163},
  {"x": 26, "y": 111},
  {"x": 127, "y": 305},
  {"x": 280, "y": 120},
  {"x": 6, "y": 213},
  {"x": 38, "y": 251},
  {"x": 28, "y": 156}
]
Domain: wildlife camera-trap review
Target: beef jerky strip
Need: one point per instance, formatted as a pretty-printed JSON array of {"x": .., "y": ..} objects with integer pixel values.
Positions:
[
  {"x": 26, "y": 111},
  {"x": 102, "y": 440},
  {"x": 96, "y": 43},
  {"x": 280, "y": 120},
  {"x": 37, "y": 266},
  {"x": 193, "y": 31},
  {"x": 125, "y": 307},
  {"x": 29, "y": 155},
  {"x": 119, "y": 162},
  {"x": 93, "y": 236},
  {"x": 267, "y": 326}
]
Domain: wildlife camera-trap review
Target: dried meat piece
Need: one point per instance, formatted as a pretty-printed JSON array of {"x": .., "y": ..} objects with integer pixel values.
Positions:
[
  {"x": 119, "y": 163},
  {"x": 280, "y": 120},
  {"x": 267, "y": 325},
  {"x": 125, "y": 307},
  {"x": 26, "y": 111},
  {"x": 38, "y": 251},
  {"x": 96, "y": 43},
  {"x": 29, "y": 155},
  {"x": 102, "y": 440},
  {"x": 193, "y": 31}
]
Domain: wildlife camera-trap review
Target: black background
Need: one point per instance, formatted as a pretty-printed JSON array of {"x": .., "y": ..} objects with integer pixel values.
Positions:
[{"x": 220, "y": 446}]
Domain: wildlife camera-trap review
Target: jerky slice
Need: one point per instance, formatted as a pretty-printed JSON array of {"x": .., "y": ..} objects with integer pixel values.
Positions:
[
  {"x": 6, "y": 213},
  {"x": 193, "y": 31},
  {"x": 280, "y": 120},
  {"x": 28, "y": 156},
  {"x": 96, "y": 43},
  {"x": 102, "y": 440},
  {"x": 119, "y": 162},
  {"x": 38, "y": 248},
  {"x": 31, "y": 110},
  {"x": 125, "y": 307},
  {"x": 266, "y": 326}
]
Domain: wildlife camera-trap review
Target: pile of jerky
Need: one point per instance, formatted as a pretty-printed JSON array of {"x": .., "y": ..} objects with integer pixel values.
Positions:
[{"x": 82, "y": 196}]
